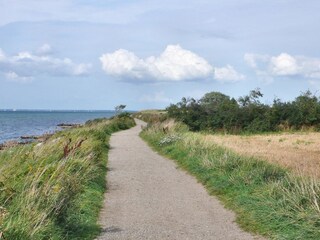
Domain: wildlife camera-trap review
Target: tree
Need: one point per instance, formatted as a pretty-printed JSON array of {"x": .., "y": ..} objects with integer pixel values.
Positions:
[
  {"x": 119, "y": 108},
  {"x": 307, "y": 110},
  {"x": 220, "y": 109},
  {"x": 212, "y": 100},
  {"x": 188, "y": 111},
  {"x": 218, "y": 112},
  {"x": 252, "y": 98}
]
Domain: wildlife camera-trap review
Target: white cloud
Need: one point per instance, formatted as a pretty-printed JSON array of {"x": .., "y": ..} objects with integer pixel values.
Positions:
[
  {"x": 227, "y": 74},
  {"x": 45, "y": 49},
  {"x": 158, "y": 97},
  {"x": 177, "y": 64},
  {"x": 174, "y": 64},
  {"x": 123, "y": 63},
  {"x": 284, "y": 65},
  {"x": 14, "y": 77},
  {"x": 26, "y": 65}
]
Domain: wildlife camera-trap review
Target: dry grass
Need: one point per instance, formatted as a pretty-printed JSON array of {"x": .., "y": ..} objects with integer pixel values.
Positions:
[{"x": 297, "y": 151}]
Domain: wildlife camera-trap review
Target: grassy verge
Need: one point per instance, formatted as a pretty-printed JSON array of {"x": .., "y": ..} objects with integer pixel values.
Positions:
[
  {"x": 54, "y": 190},
  {"x": 267, "y": 199}
]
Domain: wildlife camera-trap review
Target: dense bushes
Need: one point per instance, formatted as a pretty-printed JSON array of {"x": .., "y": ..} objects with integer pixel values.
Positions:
[{"x": 217, "y": 111}]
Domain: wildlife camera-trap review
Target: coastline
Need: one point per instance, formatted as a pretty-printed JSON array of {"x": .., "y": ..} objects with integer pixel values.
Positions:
[
  {"x": 13, "y": 125},
  {"x": 27, "y": 139}
]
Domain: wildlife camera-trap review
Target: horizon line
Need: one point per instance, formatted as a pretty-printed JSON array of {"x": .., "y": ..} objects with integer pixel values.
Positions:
[{"x": 57, "y": 110}]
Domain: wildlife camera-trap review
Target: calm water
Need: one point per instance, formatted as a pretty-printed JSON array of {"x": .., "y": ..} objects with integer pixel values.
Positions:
[{"x": 20, "y": 123}]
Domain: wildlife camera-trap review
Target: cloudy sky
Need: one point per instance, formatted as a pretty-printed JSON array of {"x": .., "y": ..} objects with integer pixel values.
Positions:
[{"x": 96, "y": 54}]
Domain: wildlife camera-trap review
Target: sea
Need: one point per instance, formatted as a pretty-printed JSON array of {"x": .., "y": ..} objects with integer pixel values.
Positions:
[{"x": 17, "y": 123}]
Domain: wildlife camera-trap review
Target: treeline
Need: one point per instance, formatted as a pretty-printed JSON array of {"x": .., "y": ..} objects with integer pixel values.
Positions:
[{"x": 219, "y": 112}]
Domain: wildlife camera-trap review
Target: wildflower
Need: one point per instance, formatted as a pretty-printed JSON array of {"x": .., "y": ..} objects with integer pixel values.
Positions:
[{"x": 169, "y": 139}]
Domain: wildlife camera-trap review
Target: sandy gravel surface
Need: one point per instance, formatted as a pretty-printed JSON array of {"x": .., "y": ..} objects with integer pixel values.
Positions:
[{"x": 149, "y": 198}]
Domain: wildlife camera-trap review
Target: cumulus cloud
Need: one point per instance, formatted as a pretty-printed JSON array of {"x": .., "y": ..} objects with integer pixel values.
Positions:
[
  {"x": 174, "y": 64},
  {"x": 123, "y": 63},
  {"x": 284, "y": 65},
  {"x": 26, "y": 65}
]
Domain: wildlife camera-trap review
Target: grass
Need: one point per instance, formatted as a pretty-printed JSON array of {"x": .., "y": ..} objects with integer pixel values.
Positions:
[
  {"x": 267, "y": 198},
  {"x": 54, "y": 190}
]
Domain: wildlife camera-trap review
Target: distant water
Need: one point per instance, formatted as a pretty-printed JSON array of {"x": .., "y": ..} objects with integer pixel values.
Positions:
[{"x": 20, "y": 123}]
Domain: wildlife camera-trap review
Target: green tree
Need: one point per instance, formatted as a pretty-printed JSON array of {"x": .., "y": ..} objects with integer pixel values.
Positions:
[
  {"x": 221, "y": 111},
  {"x": 306, "y": 110},
  {"x": 252, "y": 98},
  {"x": 119, "y": 108}
]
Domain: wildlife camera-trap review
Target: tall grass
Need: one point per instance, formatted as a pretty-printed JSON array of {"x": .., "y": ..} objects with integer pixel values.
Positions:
[
  {"x": 54, "y": 190},
  {"x": 267, "y": 199}
]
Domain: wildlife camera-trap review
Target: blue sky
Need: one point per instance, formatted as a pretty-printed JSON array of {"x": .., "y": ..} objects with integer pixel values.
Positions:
[{"x": 68, "y": 54}]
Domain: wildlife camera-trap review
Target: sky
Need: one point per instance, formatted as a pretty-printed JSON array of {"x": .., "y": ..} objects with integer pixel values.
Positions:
[{"x": 97, "y": 54}]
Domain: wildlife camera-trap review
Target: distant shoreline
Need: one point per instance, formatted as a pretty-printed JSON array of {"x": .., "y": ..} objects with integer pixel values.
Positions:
[
  {"x": 61, "y": 111},
  {"x": 27, "y": 139},
  {"x": 14, "y": 124}
]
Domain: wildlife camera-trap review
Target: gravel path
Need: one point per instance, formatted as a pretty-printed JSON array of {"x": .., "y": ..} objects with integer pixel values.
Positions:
[{"x": 149, "y": 198}]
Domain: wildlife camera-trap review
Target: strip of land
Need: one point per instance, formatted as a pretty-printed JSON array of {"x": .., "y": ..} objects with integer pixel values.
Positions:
[{"x": 149, "y": 198}]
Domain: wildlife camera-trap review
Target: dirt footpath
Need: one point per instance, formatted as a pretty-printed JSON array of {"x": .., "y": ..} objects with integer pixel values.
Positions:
[{"x": 149, "y": 198}]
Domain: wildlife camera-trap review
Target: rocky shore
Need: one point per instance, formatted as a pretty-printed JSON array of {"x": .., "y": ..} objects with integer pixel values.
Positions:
[{"x": 26, "y": 139}]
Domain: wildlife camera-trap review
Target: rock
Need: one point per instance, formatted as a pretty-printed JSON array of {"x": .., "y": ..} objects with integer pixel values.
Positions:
[
  {"x": 68, "y": 125},
  {"x": 29, "y": 137}
]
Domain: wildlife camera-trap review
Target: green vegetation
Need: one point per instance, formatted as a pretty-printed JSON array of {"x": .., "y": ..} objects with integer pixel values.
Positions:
[
  {"x": 54, "y": 189},
  {"x": 267, "y": 199},
  {"x": 151, "y": 116},
  {"x": 216, "y": 111},
  {"x": 118, "y": 109}
]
